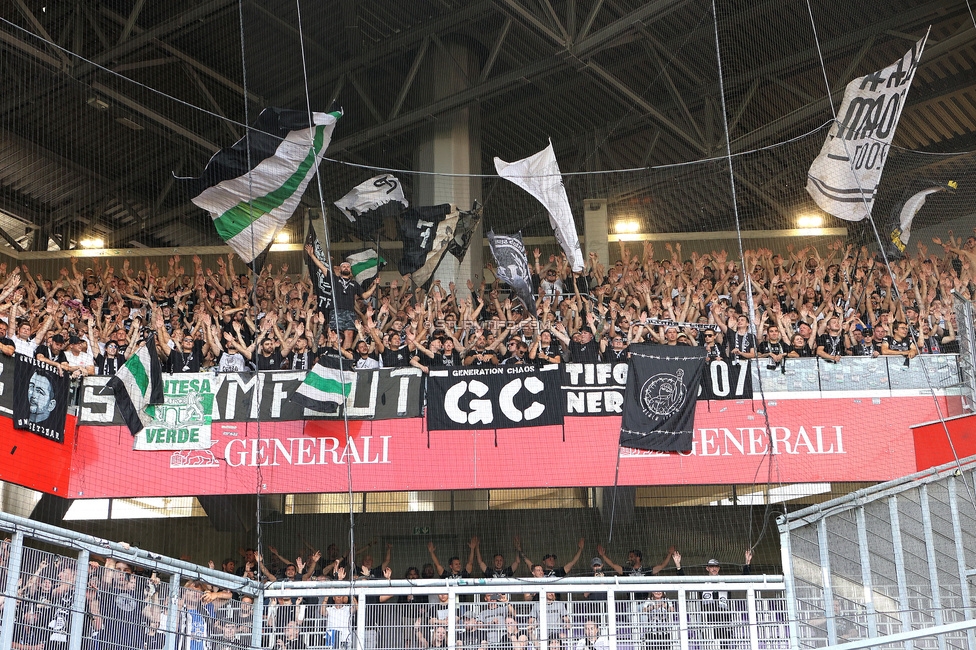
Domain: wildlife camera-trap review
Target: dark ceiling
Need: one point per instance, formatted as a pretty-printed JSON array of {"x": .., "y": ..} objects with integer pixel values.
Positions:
[{"x": 92, "y": 129}]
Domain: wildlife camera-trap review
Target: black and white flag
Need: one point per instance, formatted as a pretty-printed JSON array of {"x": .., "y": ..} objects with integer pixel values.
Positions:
[
  {"x": 422, "y": 237},
  {"x": 662, "y": 391},
  {"x": 40, "y": 398},
  {"x": 368, "y": 204},
  {"x": 513, "y": 266},
  {"x": 844, "y": 178},
  {"x": 903, "y": 214},
  {"x": 320, "y": 281}
]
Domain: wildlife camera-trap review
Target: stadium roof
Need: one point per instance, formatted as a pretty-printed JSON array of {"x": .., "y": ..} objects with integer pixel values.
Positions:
[{"x": 91, "y": 134}]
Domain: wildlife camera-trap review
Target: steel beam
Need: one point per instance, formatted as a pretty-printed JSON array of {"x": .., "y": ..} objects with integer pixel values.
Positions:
[{"x": 131, "y": 21}]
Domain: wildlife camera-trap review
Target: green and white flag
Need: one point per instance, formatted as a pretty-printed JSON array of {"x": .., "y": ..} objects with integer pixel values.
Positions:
[
  {"x": 137, "y": 385},
  {"x": 252, "y": 188},
  {"x": 325, "y": 387},
  {"x": 365, "y": 265}
]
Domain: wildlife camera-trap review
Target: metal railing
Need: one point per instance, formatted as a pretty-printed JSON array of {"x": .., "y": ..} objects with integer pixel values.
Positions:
[
  {"x": 55, "y": 596},
  {"x": 891, "y": 563}
]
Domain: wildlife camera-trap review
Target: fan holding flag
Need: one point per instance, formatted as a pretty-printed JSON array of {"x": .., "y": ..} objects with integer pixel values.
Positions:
[{"x": 138, "y": 385}]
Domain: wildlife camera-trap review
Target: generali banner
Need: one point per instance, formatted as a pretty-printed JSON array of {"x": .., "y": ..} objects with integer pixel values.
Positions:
[{"x": 828, "y": 440}]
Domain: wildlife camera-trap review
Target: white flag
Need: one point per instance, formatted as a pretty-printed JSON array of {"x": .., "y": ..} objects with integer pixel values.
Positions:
[
  {"x": 370, "y": 195},
  {"x": 539, "y": 176},
  {"x": 844, "y": 178}
]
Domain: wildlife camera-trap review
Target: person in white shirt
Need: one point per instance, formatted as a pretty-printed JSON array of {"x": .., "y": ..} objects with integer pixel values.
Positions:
[
  {"x": 80, "y": 361},
  {"x": 23, "y": 342},
  {"x": 592, "y": 639}
]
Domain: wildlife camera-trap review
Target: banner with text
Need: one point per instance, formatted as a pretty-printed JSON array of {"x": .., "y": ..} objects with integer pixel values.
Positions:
[
  {"x": 496, "y": 397},
  {"x": 598, "y": 388},
  {"x": 195, "y": 400}
]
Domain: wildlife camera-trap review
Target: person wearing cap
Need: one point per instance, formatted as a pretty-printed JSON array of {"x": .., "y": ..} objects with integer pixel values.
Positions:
[
  {"x": 52, "y": 353},
  {"x": 548, "y": 566},
  {"x": 717, "y": 611},
  {"x": 596, "y": 565},
  {"x": 618, "y": 349},
  {"x": 78, "y": 360},
  {"x": 860, "y": 343}
]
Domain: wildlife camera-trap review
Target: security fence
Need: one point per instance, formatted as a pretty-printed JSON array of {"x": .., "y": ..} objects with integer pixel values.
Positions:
[
  {"x": 892, "y": 562},
  {"x": 64, "y": 590}
]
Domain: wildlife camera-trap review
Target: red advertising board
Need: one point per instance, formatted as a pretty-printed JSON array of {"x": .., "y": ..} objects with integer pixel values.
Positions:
[
  {"x": 824, "y": 440},
  {"x": 937, "y": 443},
  {"x": 34, "y": 461}
]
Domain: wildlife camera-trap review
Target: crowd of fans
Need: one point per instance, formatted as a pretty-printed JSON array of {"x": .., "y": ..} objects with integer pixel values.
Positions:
[
  {"x": 133, "y": 609},
  {"x": 807, "y": 303}
]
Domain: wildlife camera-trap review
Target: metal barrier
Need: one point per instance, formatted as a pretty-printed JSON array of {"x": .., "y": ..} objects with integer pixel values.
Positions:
[
  {"x": 57, "y": 597},
  {"x": 891, "y": 563}
]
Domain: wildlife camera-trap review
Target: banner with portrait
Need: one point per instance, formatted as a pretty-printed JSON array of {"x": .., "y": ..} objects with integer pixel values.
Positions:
[{"x": 40, "y": 398}]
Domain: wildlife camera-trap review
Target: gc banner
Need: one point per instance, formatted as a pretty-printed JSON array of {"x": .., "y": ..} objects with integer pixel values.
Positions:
[{"x": 498, "y": 397}]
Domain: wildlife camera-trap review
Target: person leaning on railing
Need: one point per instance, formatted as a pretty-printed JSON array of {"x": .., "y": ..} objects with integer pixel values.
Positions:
[{"x": 715, "y": 606}]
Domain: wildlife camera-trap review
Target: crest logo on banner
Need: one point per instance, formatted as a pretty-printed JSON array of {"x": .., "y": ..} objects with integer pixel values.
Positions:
[
  {"x": 40, "y": 398},
  {"x": 663, "y": 395},
  {"x": 662, "y": 391}
]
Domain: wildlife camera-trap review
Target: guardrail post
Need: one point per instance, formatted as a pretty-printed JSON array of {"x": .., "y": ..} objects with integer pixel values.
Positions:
[
  {"x": 612, "y": 618},
  {"x": 10, "y": 589},
  {"x": 452, "y": 606},
  {"x": 753, "y": 619},
  {"x": 789, "y": 589},
  {"x": 172, "y": 612},
  {"x": 78, "y": 602},
  {"x": 257, "y": 619},
  {"x": 543, "y": 617},
  {"x": 683, "y": 618}
]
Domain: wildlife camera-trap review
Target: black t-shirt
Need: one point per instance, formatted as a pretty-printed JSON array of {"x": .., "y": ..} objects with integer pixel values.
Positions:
[
  {"x": 832, "y": 345},
  {"x": 476, "y": 362},
  {"x": 551, "y": 350},
  {"x": 903, "y": 345},
  {"x": 504, "y": 572},
  {"x": 741, "y": 342},
  {"x": 398, "y": 358},
  {"x": 180, "y": 361},
  {"x": 300, "y": 360},
  {"x": 866, "y": 348},
  {"x": 584, "y": 352},
  {"x": 442, "y": 360},
  {"x": 615, "y": 356},
  {"x": 780, "y": 347},
  {"x": 48, "y": 353},
  {"x": 274, "y": 361},
  {"x": 346, "y": 292},
  {"x": 108, "y": 366}
]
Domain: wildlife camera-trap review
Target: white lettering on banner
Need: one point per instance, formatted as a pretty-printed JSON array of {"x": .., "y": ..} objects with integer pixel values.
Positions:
[
  {"x": 235, "y": 381},
  {"x": 595, "y": 388},
  {"x": 369, "y": 410},
  {"x": 480, "y": 408},
  {"x": 90, "y": 397},
  {"x": 273, "y": 452},
  {"x": 752, "y": 441},
  {"x": 481, "y": 411}
]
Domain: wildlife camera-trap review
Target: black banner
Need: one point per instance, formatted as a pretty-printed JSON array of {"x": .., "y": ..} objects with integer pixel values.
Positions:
[
  {"x": 659, "y": 405},
  {"x": 321, "y": 282},
  {"x": 40, "y": 401},
  {"x": 598, "y": 388},
  {"x": 496, "y": 397},
  {"x": 383, "y": 394},
  {"x": 727, "y": 380},
  {"x": 512, "y": 266}
]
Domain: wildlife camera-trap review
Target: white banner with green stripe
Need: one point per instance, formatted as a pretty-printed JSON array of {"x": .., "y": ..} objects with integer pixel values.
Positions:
[{"x": 249, "y": 210}]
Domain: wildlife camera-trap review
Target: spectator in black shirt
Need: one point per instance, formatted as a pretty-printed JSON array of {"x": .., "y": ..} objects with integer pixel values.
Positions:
[
  {"x": 7, "y": 346},
  {"x": 52, "y": 353},
  {"x": 830, "y": 344}
]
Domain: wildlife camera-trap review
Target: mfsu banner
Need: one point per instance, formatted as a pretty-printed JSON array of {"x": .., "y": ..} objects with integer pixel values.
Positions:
[
  {"x": 662, "y": 391},
  {"x": 844, "y": 177},
  {"x": 495, "y": 397}
]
